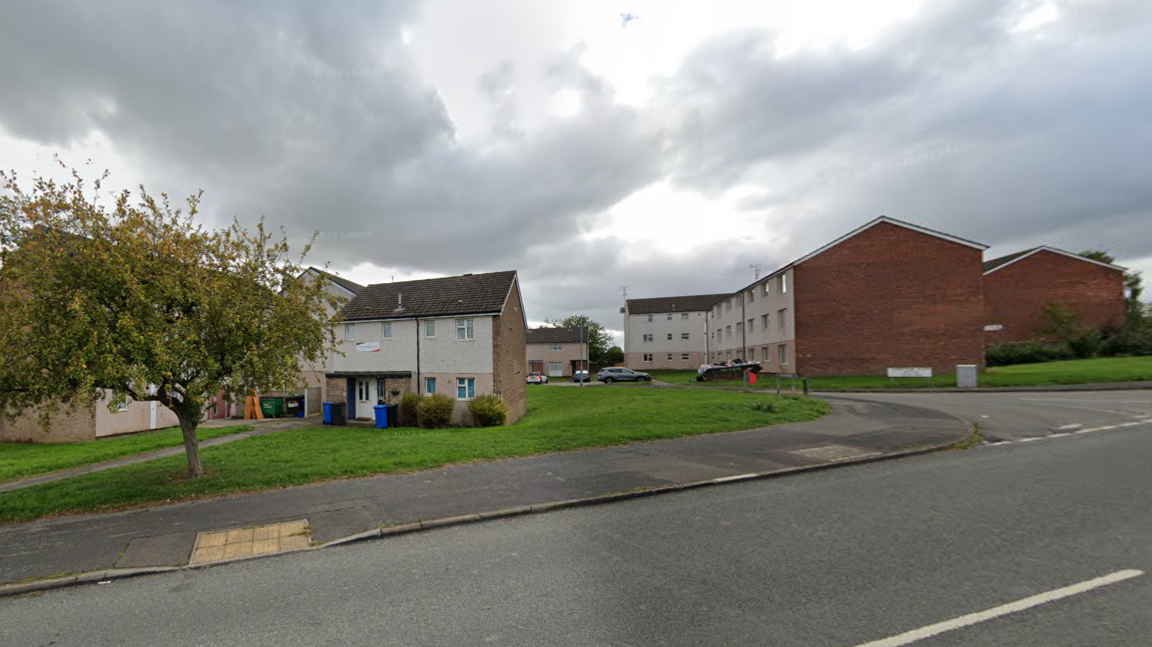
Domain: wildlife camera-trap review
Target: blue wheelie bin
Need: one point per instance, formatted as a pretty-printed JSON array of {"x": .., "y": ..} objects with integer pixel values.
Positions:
[
  {"x": 327, "y": 413},
  {"x": 381, "y": 412}
]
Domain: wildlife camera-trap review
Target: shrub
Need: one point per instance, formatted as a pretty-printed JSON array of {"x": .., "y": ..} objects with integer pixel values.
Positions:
[
  {"x": 488, "y": 411},
  {"x": 435, "y": 411},
  {"x": 408, "y": 405},
  {"x": 1087, "y": 345},
  {"x": 1031, "y": 351}
]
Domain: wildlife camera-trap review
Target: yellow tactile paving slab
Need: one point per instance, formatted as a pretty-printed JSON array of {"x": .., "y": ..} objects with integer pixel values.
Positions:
[{"x": 215, "y": 545}]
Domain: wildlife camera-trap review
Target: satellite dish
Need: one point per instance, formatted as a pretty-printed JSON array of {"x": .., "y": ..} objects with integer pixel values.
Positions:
[{"x": 621, "y": 310}]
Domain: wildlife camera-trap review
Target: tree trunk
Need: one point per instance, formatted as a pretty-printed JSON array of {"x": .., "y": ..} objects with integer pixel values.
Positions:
[{"x": 191, "y": 444}]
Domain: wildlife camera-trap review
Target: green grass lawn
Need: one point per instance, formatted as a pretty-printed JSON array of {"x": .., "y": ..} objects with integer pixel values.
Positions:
[
  {"x": 1080, "y": 371},
  {"x": 21, "y": 460},
  {"x": 557, "y": 420}
]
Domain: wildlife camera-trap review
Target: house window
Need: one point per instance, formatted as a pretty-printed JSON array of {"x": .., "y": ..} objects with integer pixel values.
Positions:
[
  {"x": 685, "y": 356},
  {"x": 349, "y": 331},
  {"x": 669, "y": 357},
  {"x": 781, "y": 315},
  {"x": 669, "y": 336},
  {"x": 122, "y": 407},
  {"x": 555, "y": 346},
  {"x": 464, "y": 329},
  {"x": 647, "y": 357},
  {"x": 683, "y": 316},
  {"x": 783, "y": 283},
  {"x": 684, "y": 336},
  {"x": 648, "y": 318},
  {"x": 751, "y": 296},
  {"x": 669, "y": 316},
  {"x": 386, "y": 331},
  {"x": 648, "y": 339},
  {"x": 429, "y": 328},
  {"x": 751, "y": 325},
  {"x": 783, "y": 354},
  {"x": 429, "y": 385},
  {"x": 555, "y": 368},
  {"x": 764, "y": 322},
  {"x": 465, "y": 388}
]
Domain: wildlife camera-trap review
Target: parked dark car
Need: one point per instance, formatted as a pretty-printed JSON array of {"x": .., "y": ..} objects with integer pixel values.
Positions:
[
  {"x": 620, "y": 374},
  {"x": 580, "y": 376}
]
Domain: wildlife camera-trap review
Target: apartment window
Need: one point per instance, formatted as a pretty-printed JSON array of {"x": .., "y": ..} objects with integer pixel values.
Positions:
[
  {"x": 464, "y": 329},
  {"x": 429, "y": 328},
  {"x": 781, "y": 315},
  {"x": 728, "y": 305},
  {"x": 763, "y": 322},
  {"x": 751, "y": 354},
  {"x": 669, "y": 316},
  {"x": 669, "y": 357},
  {"x": 685, "y": 356},
  {"x": 751, "y": 325},
  {"x": 349, "y": 331},
  {"x": 647, "y": 357},
  {"x": 765, "y": 287},
  {"x": 386, "y": 331},
  {"x": 465, "y": 388},
  {"x": 684, "y": 336},
  {"x": 669, "y": 336},
  {"x": 728, "y": 332},
  {"x": 783, "y": 283},
  {"x": 783, "y": 354},
  {"x": 555, "y": 346},
  {"x": 716, "y": 311},
  {"x": 648, "y": 318},
  {"x": 751, "y": 296},
  {"x": 683, "y": 316},
  {"x": 429, "y": 385},
  {"x": 648, "y": 339},
  {"x": 739, "y": 327}
]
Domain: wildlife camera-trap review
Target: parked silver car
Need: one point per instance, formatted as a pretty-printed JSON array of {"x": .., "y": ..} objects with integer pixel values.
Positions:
[{"x": 621, "y": 374}]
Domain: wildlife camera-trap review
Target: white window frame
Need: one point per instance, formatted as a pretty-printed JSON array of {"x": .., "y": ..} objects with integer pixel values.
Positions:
[
  {"x": 684, "y": 336},
  {"x": 669, "y": 337},
  {"x": 386, "y": 331},
  {"x": 669, "y": 357},
  {"x": 669, "y": 316},
  {"x": 752, "y": 324},
  {"x": 350, "y": 332},
  {"x": 783, "y": 284},
  {"x": 647, "y": 318},
  {"x": 783, "y": 354},
  {"x": 683, "y": 316},
  {"x": 555, "y": 346},
  {"x": 648, "y": 338},
  {"x": 465, "y": 330},
  {"x": 764, "y": 321},
  {"x": 781, "y": 318},
  {"x": 430, "y": 324},
  {"x": 429, "y": 385},
  {"x": 752, "y": 296},
  {"x": 559, "y": 367},
  {"x": 685, "y": 357},
  {"x": 765, "y": 286},
  {"x": 469, "y": 386},
  {"x": 648, "y": 357}
]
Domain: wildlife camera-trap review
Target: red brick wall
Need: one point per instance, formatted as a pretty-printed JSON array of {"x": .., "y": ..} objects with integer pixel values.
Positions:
[
  {"x": 889, "y": 297},
  {"x": 1015, "y": 295},
  {"x": 509, "y": 342}
]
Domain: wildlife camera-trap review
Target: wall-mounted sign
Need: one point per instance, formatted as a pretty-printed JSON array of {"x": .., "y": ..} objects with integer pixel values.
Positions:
[
  {"x": 368, "y": 347},
  {"x": 909, "y": 372}
]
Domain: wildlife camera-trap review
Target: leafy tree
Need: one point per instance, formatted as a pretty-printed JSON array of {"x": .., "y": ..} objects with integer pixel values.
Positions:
[
  {"x": 615, "y": 355},
  {"x": 139, "y": 301},
  {"x": 599, "y": 339}
]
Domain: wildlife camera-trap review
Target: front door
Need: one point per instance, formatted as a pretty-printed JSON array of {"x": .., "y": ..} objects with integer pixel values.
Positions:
[{"x": 365, "y": 396}]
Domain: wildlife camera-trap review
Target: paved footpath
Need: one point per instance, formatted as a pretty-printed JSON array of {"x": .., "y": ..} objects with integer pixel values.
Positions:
[
  {"x": 262, "y": 428},
  {"x": 166, "y": 535}
]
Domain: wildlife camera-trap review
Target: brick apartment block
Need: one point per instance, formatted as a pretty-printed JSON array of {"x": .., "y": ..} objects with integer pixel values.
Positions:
[{"x": 1018, "y": 287}]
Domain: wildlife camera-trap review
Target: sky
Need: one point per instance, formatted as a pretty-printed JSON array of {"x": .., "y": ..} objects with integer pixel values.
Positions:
[{"x": 672, "y": 153}]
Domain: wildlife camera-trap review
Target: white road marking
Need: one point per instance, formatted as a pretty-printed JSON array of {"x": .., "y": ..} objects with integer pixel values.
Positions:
[
  {"x": 1068, "y": 427},
  {"x": 1106, "y": 401},
  {"x": 1003, "y": 610},
  {"x": 1089, "y": 430}
]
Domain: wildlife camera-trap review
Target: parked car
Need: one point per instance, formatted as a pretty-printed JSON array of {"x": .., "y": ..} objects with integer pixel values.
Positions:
[
  {"x": 580, "y": 376},
  {"x": 537, "y": 378},
  {"x": 620, "y": 374}
]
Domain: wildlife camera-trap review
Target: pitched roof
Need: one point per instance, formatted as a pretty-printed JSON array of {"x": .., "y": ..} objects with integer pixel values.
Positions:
[
  {"x": 352, "y": 287},
  {"x": 659, "y": 305},
  {"x": 557, "y": 336},
  {"x": 1005, "y": 261},
  {"x": 451, "y": 295}
]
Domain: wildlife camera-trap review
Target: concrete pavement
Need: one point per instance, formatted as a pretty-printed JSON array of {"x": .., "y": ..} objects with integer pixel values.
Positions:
[
  {"x": 840, "y": 558},
  {"x": 166, "y": 535}
]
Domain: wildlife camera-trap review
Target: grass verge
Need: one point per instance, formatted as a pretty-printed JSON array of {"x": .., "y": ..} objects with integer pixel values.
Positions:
[
  {"x": 557, "y": 420},
  {"x": 1080, "y": 371},
  {"x": 21, "y": 460}
]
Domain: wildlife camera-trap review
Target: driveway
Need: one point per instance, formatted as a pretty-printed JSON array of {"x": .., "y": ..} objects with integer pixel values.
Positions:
[{"x": 1013, "y": 416}]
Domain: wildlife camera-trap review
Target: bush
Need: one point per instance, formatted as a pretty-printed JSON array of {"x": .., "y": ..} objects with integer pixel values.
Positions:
[
  {"x": 435, "y": 411},
  {"x": 488, "y": 411},
  {"x": 1031, "y": 351},
  {"x": 408, "y": 405}
]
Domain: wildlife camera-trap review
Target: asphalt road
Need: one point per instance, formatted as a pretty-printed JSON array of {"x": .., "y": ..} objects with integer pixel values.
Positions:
[
  {"x": 841, "y": 557},
  {"x": 1014, "y": 416}
]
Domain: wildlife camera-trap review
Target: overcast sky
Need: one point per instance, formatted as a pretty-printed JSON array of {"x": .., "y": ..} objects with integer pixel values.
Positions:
[{"x": 668, "y": 154}]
